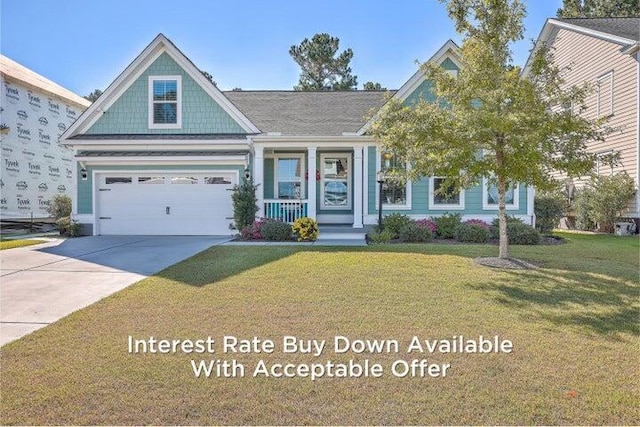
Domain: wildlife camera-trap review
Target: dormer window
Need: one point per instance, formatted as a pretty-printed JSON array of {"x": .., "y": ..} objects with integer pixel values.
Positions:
[{"x": 165, "y": 102}]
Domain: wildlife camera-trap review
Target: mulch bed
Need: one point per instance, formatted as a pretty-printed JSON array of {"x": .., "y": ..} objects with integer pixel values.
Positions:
[{"x": 509, "y": 263}]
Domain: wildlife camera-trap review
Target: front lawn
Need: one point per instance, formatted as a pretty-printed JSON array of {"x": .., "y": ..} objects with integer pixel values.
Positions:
[
  {"x": 18, "y": 243},
  {"x": 573, "y": 324}
]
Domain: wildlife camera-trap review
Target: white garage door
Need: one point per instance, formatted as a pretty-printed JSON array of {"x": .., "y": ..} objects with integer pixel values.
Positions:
[{"x": 165, "y": 203}]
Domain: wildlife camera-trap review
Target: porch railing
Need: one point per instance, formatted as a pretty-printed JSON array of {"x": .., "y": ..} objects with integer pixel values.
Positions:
[{"x": 285, "y": 210}]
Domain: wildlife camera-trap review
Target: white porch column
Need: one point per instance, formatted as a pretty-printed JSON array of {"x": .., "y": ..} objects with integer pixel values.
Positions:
[
  {"x": 258, "y": 177},
  {"x": 358, "y": 179},
  {"x": 312, "y": 183}
]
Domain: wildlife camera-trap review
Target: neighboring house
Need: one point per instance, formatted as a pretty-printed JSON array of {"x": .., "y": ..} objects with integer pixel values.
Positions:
[
  {"x": 34, "y": 112},
  {"x": 604, "y": 52},
  {"x": 160, "y": 150}
]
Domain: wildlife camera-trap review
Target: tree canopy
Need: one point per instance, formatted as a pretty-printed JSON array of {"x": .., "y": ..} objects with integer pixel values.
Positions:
[
  {"x": 93, "y": 95},
  {"x": 489, "y": 122},
  {"x": 321, "y": 68},
  {"x": 599, "y": 8},
  {"x": 373, "y": 86}
]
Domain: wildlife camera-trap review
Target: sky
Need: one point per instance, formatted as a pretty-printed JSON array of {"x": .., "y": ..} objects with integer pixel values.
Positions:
[{"x": 85, "y": 44}]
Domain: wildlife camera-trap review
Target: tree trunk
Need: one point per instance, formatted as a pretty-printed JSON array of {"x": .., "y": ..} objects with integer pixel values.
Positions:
[
  {"x": 502, "y": 189},
  {"x": 502, "y": 217}
]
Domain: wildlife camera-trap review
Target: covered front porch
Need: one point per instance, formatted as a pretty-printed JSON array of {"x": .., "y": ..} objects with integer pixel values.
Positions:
[{"x": 322, "y": 179}]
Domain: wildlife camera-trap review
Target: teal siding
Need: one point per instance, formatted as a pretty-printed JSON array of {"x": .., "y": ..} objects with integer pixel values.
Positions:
[
  {"x": 423, "y": 92},
  {"x": 85, "y": 188},
  {"x": 420, "y": 196},
  {"x": 200, "y": 113},
  {"x": 268, "y": 178}
]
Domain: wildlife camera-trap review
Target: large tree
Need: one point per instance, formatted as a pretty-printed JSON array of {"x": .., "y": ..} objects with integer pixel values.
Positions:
[
  {"x": 599, "y": 8},
  {"x": 491, "y": 122},
  {"x": 93, "y": 95},
  {"x": 321, "y": 68},
  {"x": 373, "y": 86}
]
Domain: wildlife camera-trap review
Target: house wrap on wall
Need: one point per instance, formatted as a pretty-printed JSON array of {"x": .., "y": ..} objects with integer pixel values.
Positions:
[
  {"x": 160, "y": 150},
  {"x": 34, "y": 113},
  {"x": 604, "y": 52}
]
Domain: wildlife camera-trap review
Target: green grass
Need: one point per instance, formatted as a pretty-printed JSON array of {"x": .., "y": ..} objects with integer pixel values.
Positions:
[
  {"x": 573, "y": 323},
  {"x": 10, "y": 244}
]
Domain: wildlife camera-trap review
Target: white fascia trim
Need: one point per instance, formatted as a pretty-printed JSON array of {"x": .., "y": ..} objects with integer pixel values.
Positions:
[
  {"x": 449, "y": 50},
  {"x": 158, "y": 144},
  {"x": 593, "y": 33},
  {"x": 237, "y": 160},
  {"x": 437, "y": 207},
  {"x": 159, "y": 45},
  {"x": 314, "y": 139},
  {"x": 551, "y": 24},
  {"x": 510, "y": 207},
  {"x": 115, "y": 89}
]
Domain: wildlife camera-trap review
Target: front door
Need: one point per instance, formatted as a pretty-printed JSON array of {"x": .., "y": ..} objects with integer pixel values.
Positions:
[{"x": 335, "y": 189}]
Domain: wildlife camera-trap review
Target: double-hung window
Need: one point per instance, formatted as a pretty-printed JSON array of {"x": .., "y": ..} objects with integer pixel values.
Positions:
[
  {"x": 289, "y": 177},
  {"x": 165, "y": 102},
  {"x": 490, "y": 196},
  {"x": 442, "y": 197},
  {"x": 396, "y": 193}
]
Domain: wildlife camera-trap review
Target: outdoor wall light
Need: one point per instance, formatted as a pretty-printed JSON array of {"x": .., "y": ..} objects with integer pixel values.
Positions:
[
  {"x": 247, "y": 173},
  {"x": 83, "y": 174}
]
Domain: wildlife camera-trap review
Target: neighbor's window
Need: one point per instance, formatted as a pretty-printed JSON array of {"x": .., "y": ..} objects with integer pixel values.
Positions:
[
  {"x": 441, "y": 197},
  {"x": 490, "y": 196},
  {"x": 604, "y": 88},
  {"x": 165, "y": 102},
  {"x": 289, "y": 176},
  {"x": 604, "y": 163},
  {"x": 394, "y": 192}
]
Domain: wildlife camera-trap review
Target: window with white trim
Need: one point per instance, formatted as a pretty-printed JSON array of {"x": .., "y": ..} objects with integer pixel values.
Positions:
[
  {"x": 441, "y": 198},
  {"x": 165, "y": 102},
  {"x": 289, "y": 177},
  {"x": 490, "y": 196},
  {"x": 604, "y": 163},
  {"x": 395, "y": 194},
  {"x": 604, "y": 95}
]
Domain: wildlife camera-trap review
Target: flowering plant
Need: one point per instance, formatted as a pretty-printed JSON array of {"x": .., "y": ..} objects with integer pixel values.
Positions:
[{"x": 305, "y": 229}]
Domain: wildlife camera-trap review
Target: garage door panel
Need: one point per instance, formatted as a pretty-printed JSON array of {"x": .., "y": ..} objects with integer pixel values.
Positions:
[{"x": 193, "y": 209}]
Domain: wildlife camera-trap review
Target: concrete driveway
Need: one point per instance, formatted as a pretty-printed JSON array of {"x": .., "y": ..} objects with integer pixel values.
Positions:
[{"x": 41, "y": 284}]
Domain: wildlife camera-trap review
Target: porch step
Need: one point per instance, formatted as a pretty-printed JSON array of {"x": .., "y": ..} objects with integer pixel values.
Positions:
[{"x": 341, "y": 233}]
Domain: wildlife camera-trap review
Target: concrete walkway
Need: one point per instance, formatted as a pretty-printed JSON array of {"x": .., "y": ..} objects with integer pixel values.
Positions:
[{"x": 41, "y": 284}]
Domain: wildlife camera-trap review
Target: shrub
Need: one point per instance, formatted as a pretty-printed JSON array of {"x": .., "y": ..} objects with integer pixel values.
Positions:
[
  {"x": 479, "y": 223},
  {"x": 60, "y": 206},
  {"x": 581, "y": 210},
  {"x": 549, "y": 209},
  {"x": 380, "y": 237},
  {"x": 276, "y": 230},
  {"x": 305, "y": 229},
  {"x": 413, "y": 233},
  {"x": 253, "y": 231},
  {"x": 447, "y": 225},
  {"x": 395, "y": 222},
  {"x": 522, "y": 234},
  {"x": 610, "y": 197},
  {"x": 428, "y": 223},
  {"x": 244, "y": 203},
  {"x": 68, "y": 227},
  {"x": 494, "y": 228},
  {"x": 471, "y": 232}
]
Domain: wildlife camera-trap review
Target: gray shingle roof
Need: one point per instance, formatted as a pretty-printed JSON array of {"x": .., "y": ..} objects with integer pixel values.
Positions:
[
  {"x": 308, "y": 113},
  {"x": 628, "y": 28}
]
